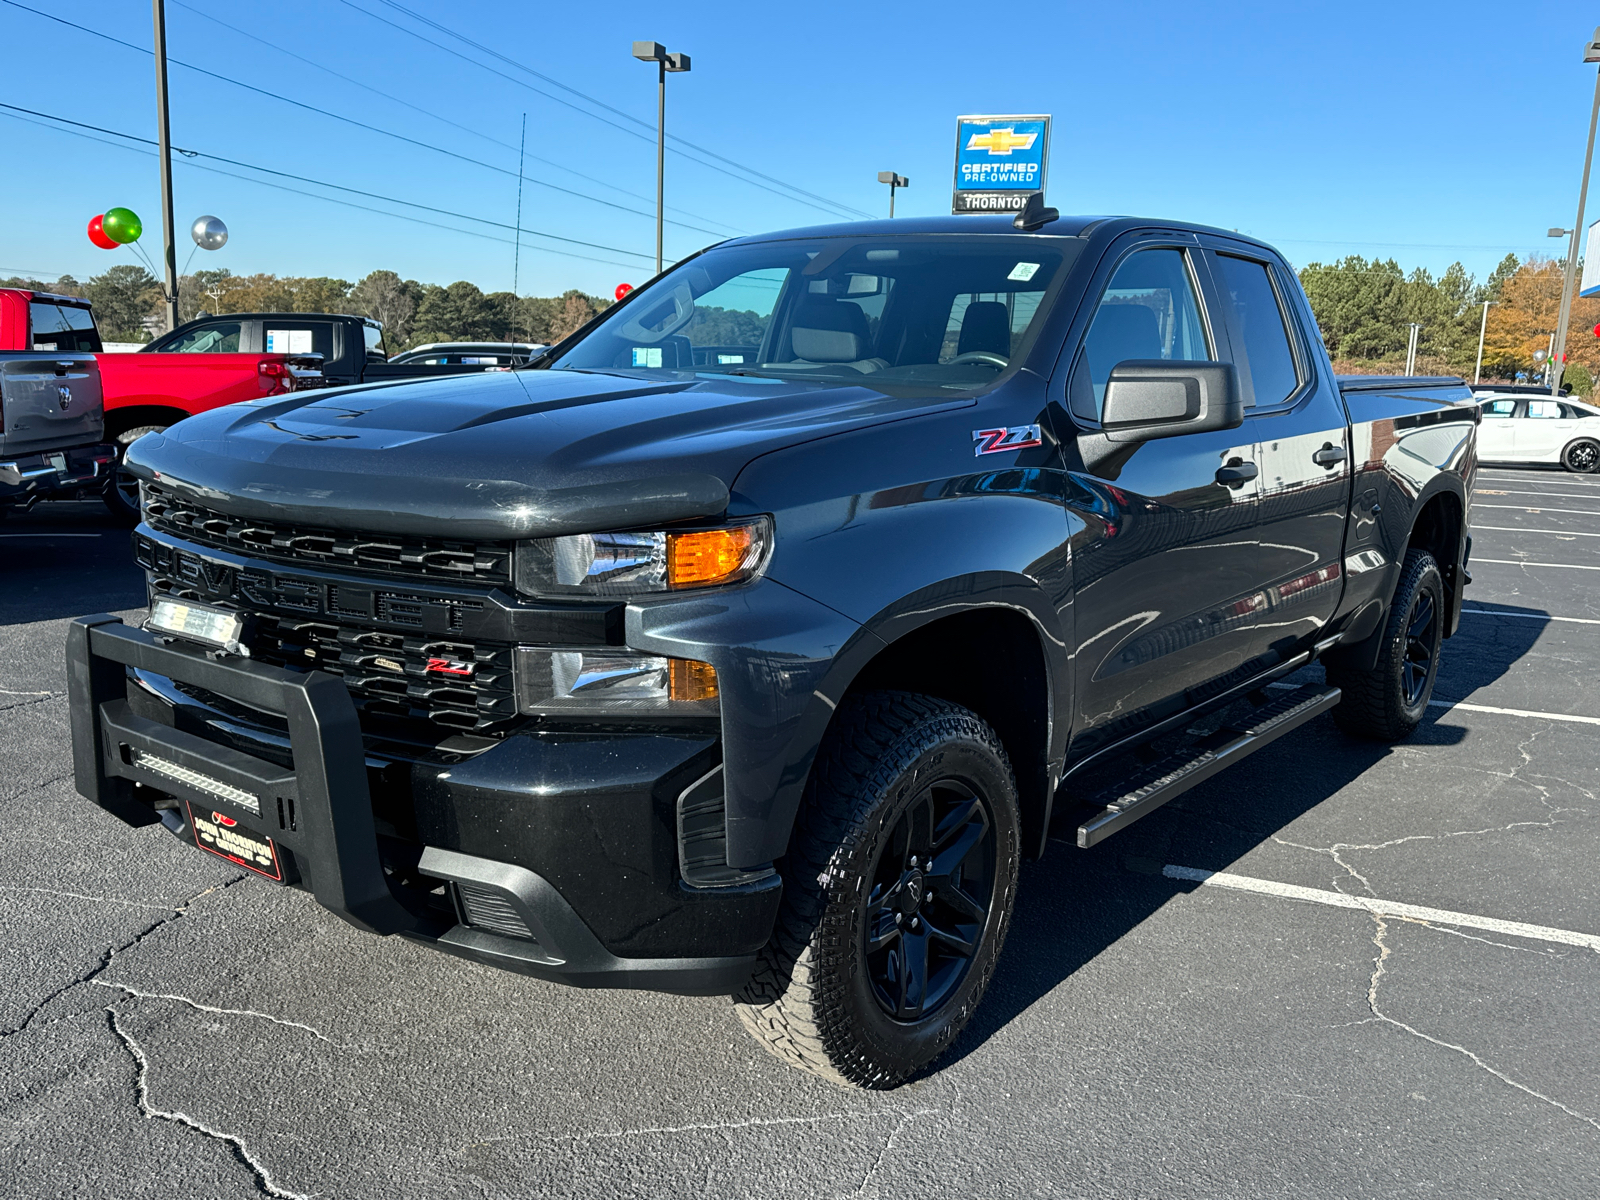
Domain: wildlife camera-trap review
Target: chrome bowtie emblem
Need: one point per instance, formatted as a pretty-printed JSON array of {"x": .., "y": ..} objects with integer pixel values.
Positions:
[{"x": 64, "y": 393}]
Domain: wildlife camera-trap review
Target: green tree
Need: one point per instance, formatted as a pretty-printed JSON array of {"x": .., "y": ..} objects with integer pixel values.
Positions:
[
  {"x": 123, "y": 297},
  {"x": 387, "y": 298}
]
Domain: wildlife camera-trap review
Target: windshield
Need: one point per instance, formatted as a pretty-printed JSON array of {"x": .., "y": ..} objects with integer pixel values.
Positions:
[{"x": 942, "y": 310}]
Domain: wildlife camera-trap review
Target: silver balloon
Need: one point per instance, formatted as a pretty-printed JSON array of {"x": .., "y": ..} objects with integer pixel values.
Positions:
[{"x": 209, "y": 233}]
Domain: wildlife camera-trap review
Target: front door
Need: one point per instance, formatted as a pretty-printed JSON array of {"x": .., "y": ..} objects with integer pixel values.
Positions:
[
  {"x": 1497, "y": 434},
  {"x": 1166, "y": 571}
]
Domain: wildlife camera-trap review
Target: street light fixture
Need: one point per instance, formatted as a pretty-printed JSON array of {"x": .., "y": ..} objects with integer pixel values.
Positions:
[
  {"x": 657, "y": 53},
  {"x": 894, "y": 181},
  {"x": 1591, "y": 54}
]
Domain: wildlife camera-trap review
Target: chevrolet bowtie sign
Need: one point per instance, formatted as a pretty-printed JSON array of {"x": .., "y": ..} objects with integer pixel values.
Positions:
[{"x": 1000, "y": 162}]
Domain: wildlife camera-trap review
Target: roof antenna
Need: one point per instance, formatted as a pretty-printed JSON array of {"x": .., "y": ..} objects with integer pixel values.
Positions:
[{"x": 1034, "y": 214}]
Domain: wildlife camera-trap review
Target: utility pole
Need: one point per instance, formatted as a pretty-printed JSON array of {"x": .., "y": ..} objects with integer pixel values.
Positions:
[
  {"x": 1483, "y": 327},
  {"x": 1591, "y": 54},
  {"x": 169, "y": 251},
  {"x": 1411, "y": 348},
  {"x": 894, "y": 181},
  {"x": 657, "y": 53}
]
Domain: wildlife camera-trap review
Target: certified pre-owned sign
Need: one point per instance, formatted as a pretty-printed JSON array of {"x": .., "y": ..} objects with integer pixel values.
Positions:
[{"x": 1000, "y": 162}]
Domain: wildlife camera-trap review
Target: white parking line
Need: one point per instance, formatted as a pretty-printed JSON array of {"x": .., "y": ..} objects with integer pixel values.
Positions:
[
  {"x": 1513, "y": 712},
  {"x": 1517, "y": 562},
  {"x": 1489, "y": 612},
  {"x": 1539, "y": 508},
  {"x": 1514, "y": 529},
  {"x": 1517, "y": 492},
  {"x": 1385, "y": 908}
]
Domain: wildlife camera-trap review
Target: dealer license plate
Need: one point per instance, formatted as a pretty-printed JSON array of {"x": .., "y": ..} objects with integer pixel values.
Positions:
[{"x": 226, "y": 838}]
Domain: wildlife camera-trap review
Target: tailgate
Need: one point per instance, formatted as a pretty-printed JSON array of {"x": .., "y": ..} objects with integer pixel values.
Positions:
[{"x": 49, "y": 402}]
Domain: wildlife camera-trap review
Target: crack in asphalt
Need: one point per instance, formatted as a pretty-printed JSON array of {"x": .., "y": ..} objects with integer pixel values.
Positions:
[
  {"x": 888, "y": 1145},
  {"x": 110, "y": 954},
  {"x": 35, "y": 787},
  {"x": 265, "y": 1184},
  {"x": 231, "y": 1012}
]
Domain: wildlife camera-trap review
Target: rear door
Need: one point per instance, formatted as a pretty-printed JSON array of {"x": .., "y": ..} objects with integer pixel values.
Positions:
[
  {"x": 1165, "y": 575},
  {"x": 1542, "y": 431},
  {"x": 1297, "y": 417}
]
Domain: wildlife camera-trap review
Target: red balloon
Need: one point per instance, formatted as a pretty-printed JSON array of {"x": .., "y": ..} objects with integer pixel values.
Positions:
[
  {"x": 623, "y": 289},
  {"x": 97, "y": 234}
]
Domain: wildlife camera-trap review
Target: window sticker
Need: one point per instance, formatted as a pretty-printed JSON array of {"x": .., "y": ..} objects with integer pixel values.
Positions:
[
  {"x": 647, "y": 356},
  {"x": 288, "y": 341},
  {"x": 1023, "y": 272},
  {"x": 730, "y": 358}
]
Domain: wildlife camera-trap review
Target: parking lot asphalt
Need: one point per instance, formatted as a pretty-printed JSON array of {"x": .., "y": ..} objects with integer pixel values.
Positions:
[{"x": 1189, "y": 1010}]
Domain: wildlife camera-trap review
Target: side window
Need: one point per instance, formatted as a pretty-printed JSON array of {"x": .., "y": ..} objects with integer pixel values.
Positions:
[
  {"x": 1499, "y": 408},
  {"x": 1544, "y": 409},
  {"x": 1149, "y": 310},
  {"x": 221, "y": 337},
  {"x": 63, "y": 327},
  {"x": 374, "y": 340},
  {"x": 1262, "y": 328},
  {"x": 301, "y": 337}
]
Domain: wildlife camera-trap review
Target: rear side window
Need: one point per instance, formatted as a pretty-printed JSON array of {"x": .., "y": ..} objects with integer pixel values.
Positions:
[
  {"x": 1262, "y": 327},
  {"x": 63, "y": 327},
  {"x": 1548, "y": 410},
  {"x": 1149, "y": 310},
  {"x": 219, "y": 338}
]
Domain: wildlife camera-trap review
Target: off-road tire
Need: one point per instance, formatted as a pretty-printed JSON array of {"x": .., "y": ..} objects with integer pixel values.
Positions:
[
  {"x": 118, "y": 504},
  {"x": 1582, "y": 457},
  {"x": 811, "y": 1000},
  {"x": 1375, "y": 704}
]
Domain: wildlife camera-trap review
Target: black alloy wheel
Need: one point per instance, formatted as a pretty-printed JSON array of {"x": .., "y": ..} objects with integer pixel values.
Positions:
[
  {"x": 897, "y": 893},
  {"x": 1582, "y": 457},
  {"x": 121, "y": 493},
  {"x": 1387, "y": 700},
  {"x": 1422, "y": 647},
  {"x": 929, "y": 901}
]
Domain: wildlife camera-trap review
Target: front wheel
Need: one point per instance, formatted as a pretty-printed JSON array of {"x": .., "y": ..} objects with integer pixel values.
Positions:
[
  {"x": 122, "y": 489},
  {"x": 1583, "y": 456},
  {"x": 1387, "y": 702},
  {"x": 898, "y": 890}
]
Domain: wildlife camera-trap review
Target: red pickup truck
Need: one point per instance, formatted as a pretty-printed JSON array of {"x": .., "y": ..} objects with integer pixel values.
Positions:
[{"x": 148, "y": 391}]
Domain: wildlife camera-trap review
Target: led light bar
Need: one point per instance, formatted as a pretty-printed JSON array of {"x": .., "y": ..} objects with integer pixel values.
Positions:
[
  {"x": 214, "y": 627},
  {"x": 194, "y": 779}
]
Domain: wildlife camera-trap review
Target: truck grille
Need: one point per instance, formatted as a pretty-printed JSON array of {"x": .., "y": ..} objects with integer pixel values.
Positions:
[
  {"x": 450, "y": 683},
  {"x": 385, "y": 554}
]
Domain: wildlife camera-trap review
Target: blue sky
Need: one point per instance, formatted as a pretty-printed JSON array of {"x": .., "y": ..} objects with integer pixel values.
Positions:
[{"x": 1423, "y": 131}]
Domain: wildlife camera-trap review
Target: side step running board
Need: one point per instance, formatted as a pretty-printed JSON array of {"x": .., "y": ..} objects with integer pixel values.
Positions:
[{"x": 1151, "y": 787}]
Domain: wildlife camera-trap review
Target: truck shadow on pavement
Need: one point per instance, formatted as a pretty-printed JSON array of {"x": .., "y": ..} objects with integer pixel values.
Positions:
[
  {"x": 65, "y": 559},
  {"x": 1072, "y": 904}
]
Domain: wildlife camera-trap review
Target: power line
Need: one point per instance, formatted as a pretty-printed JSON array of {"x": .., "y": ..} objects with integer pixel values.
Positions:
[
  {"x": 352, "y": 121},
  {"x": 244, "y": 33},
  {"x": 191, "y": 154},
  {"x": 810, "y": 199}
]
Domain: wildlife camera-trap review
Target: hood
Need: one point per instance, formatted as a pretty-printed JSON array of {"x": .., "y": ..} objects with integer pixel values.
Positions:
[{"x": 503, "y": 455}]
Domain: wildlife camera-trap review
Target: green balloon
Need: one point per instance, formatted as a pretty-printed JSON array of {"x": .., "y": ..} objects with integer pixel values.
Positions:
[{"x": 122, "y": 225}]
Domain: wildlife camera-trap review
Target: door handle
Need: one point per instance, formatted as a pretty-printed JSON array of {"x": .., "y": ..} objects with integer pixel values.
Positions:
[
  {"x": 1329, "y": 455},
  {"x": 1237, "y": 473}
]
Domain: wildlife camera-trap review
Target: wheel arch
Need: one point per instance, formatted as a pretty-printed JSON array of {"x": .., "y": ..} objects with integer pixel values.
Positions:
[{"x": 121, "y": 419}]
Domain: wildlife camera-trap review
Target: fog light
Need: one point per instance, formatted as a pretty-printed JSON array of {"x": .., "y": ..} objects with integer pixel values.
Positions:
[{"x": 609, "y": 680}]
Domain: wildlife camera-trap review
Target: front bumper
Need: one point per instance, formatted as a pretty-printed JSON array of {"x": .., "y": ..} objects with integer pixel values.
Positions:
[
  {"x": 553, "y": 855},
  {"x": 25, "y": 476}
]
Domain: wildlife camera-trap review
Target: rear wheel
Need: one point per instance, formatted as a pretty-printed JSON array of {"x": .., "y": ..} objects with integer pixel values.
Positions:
[
  {"x": 1583, "y": 456},
  {"x": 122, "y": 489},
  {"x": 1388, "y": 701},
  {"x": 898, "y": 890}
]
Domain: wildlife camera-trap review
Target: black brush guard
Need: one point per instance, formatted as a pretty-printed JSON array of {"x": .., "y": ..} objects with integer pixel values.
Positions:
[{"x": 331, "y": 834}]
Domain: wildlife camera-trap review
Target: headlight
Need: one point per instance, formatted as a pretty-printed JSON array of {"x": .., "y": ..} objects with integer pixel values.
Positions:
[
  {"x": 634, "y": 564},
  {"x": 612, "y": 680}
]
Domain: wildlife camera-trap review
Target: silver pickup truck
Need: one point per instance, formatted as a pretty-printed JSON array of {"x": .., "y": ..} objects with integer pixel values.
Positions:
[{"x": 51, "y": 428}]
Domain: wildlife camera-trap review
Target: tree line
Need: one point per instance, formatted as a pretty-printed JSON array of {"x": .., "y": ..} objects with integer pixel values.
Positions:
[
  {"x": 128, "y": 304},
  {"x": 1363, "y": 308}
]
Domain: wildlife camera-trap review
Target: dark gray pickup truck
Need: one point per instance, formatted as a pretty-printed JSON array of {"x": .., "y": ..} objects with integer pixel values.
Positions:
[{"x": 745, "y": 641}]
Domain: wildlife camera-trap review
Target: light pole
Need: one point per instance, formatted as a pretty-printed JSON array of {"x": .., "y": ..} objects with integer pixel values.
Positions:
[
  {"x": 894, "y": 181},
  {"x": 1411, "y": 347},
  {"x": 657, "y": 53},
  {"x": 1483, "y": 327},
  {"x": 1591, "y": 54},
  {"x": 168, "y": 250}
]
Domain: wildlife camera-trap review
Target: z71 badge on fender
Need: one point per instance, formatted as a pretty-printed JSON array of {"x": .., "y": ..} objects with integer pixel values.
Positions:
[{"x": 994, "y": 441}]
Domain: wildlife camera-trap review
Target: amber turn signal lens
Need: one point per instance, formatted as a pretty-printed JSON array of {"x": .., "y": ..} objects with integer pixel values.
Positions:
[
  {"x": 709, "y": 556},
  {"x": 691, "y": 680}
]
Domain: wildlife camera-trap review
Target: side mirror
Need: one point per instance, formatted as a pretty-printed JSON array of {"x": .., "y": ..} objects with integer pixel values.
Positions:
[{"x": 1157, "y": 398}]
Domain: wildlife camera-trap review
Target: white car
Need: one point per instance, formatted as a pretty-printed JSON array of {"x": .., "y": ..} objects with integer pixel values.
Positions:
[{"x": 1539, "y": 429}]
